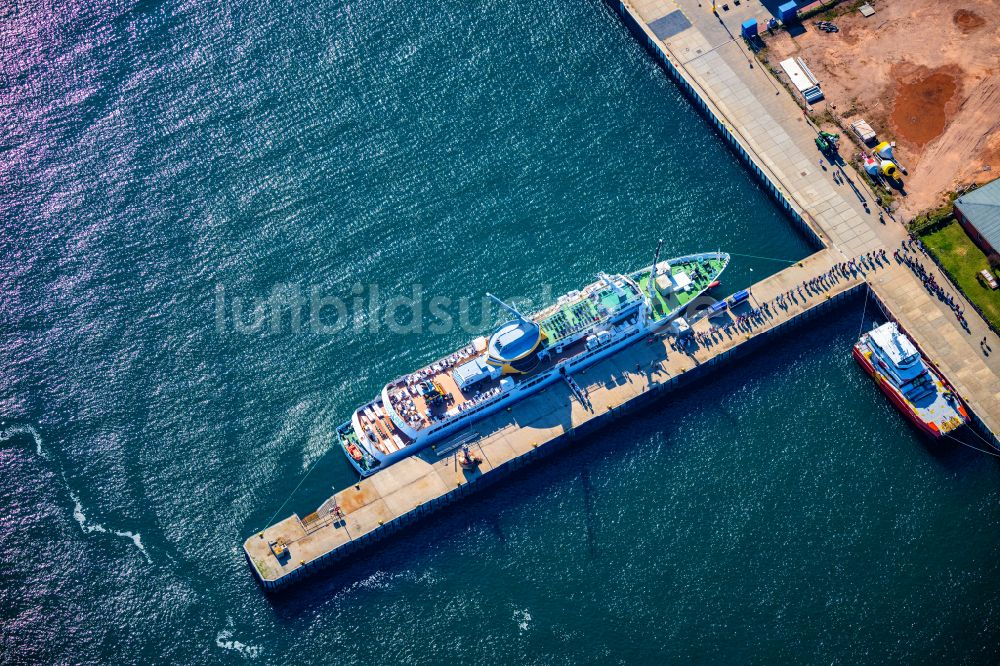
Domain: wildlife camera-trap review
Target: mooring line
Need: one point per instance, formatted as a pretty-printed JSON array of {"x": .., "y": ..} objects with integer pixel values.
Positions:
[
  {"x": 864, "y": 311},
  {"x": 753, "y": 256},
  {"x": 982, "y": 439},
  {"x": 974, "y": 448},
  {"x": 301, "y": 481}
]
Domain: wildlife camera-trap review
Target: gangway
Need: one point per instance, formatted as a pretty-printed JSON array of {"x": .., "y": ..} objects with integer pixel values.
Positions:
[{"x": 577, "y": 391}]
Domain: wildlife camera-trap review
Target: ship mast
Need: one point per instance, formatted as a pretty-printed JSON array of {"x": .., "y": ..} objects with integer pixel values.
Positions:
[
  {"x": 506, "y": 306},
  {"x": 652, "y": 273}
]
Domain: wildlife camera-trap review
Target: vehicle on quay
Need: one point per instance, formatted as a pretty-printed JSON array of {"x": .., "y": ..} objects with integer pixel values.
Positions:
[
  {"x": 522, "y": 356},
  {"x": 912, "y": 384}
]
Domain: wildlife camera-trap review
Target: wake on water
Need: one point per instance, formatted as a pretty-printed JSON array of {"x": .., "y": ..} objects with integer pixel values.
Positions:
[
  {"x": 10, "y": 431},
  {"x": 224, "y": 640},
  {"x": 89, "y": 526}
]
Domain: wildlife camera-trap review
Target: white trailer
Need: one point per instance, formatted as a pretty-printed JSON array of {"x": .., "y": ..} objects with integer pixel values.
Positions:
[{"x": 802, "y": 79}]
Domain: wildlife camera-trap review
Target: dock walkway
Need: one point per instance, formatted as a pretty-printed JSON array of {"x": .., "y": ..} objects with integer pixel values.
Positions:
[{"x": 770, "y": 132}]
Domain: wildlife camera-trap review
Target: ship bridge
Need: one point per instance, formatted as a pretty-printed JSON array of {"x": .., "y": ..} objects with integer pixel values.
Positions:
[{"x": 897, "y": 350}]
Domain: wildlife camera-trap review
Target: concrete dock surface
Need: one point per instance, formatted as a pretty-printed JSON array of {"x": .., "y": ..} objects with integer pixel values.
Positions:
[{"x": 707, "y": 49}]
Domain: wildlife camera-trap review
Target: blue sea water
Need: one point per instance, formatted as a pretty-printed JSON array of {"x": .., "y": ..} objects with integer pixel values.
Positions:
[{"x": 167, "y": 166}]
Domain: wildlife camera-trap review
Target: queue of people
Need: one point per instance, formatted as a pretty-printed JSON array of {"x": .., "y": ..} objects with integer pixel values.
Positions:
[
  {"x": 906, "y": 254},
  {"x": 765, "y": 310}
]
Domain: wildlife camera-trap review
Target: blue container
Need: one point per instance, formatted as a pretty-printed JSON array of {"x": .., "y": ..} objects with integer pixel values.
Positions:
[
  {"x": 739, "y": 297},
  {"x": 749, "y": 29},
  {"x": 788, "y": 12},
  {"x": 716, "y": 308}
]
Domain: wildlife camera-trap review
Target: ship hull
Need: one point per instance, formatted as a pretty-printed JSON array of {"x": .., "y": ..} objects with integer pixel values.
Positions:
[
  {"x": 703, "y": 276},
  {"x": 929, "y": 429},
  {"x": 505, "y": 400}
]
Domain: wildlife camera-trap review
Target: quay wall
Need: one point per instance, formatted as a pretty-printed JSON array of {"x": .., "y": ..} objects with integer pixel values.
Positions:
[
  {"x": 703, "y": 103},
  {"x": 977, "y": 422},
  {"x": 598, "y": 421}
]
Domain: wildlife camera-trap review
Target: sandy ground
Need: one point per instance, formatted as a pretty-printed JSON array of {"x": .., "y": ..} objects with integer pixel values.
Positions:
[{"x": 923, "y": 73}]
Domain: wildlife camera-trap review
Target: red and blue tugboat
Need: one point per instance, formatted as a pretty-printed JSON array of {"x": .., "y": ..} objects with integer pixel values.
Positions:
[{"x": 911, "y": 384}]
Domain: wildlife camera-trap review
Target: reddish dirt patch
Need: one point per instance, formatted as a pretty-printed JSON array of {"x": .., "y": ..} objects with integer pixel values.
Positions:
[
  {"x": 850, "y": 35},
  {"x": 991, "y": 156},
  {"x": 920, "y": 109},
  {"x": 967, "y": 21},
  {"x": 883, "y": 69}
]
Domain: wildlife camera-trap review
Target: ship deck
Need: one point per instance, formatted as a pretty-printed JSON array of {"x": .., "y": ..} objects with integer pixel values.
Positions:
[
  {"x": 931, "y": 406},
  {"x": 457, "y": 399},
  {"x": 666, "y": 304},
  {"x": 568, "y": 318},
  {"x": 935, "y": 408},
  {"x": 571, "y": 318},
  {"x": 386, "y": 437}
]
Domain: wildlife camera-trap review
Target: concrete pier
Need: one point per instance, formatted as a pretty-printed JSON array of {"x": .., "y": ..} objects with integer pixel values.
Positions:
[
  {"x": 401, "y": 494},
  {"x": 767, "y": 129}
]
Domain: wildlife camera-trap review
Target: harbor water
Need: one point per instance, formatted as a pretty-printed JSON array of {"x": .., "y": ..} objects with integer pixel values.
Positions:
[{"x": 225, "y": 227}]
